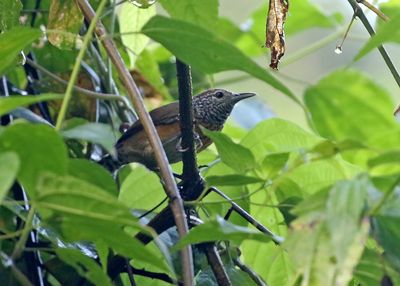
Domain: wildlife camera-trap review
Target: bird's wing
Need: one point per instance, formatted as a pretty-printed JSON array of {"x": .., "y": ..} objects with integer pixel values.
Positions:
[{"x": 163, "y": 115}]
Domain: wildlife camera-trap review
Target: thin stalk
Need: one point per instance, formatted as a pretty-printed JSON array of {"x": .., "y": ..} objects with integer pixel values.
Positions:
[
  {"x": 360, "y": 14},
  {"x": 77, "y": 66},
  {"x": 170, "y": 187},
  {"x": 19, "y": 247}
]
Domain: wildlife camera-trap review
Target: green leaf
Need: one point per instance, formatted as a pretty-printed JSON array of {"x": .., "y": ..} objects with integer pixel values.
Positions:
[
  {"x": 9, "y": 166},
  {"x": 92, "y": 173},
  {"x": 65, "y": 195},
  {"x": 110, "y": 234},
  {"x": 316, "y": 175},
  {"x": 220, "y": 229},
  {"x": 139, "y": 182},
  {"x": 9, "y": 103},
  {"x": 327, "y": 240},
  {"x": 370, "y": 268},
  {"x": 65, "y": 19},
  {"x": 358, "y": 111},
  {"x": 390, "y": 157},
  {"x": 387, "y": 32},
  {"x": 192, "y": 44},
  {"x": 274, "y": 163},
  {"x": 98, "y": 133},
  {"x": 32, "y": 143},
  {"x": 278, "y": 136},
  {"x": 84, "y": 265},
  {"x": 385, "y": 228},
  {"x": 305, "y": 15},
  {"x": 131, "y": 19},
  {"x": 148, "y": 67},
  {"x": 12, "y": 42},
  {"x": 232, "y": 180},
  {"x": 345, "y": 206},
  {"x": 232, "y": 154},
  {"x": 9, "y": 14},
  {"x": 201, "y": 13},
  {"x": 88, "y": 213}
]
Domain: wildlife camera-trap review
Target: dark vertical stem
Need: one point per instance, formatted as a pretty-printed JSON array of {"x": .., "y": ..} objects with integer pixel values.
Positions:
[
  {"x": 190, "y": 171},
  {"x": 217, "y": 267},
  {"x": 360, "y": 14}
]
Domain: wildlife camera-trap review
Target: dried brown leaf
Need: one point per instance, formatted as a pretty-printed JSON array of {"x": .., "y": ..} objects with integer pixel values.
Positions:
[{"x": 275, "y": 34}]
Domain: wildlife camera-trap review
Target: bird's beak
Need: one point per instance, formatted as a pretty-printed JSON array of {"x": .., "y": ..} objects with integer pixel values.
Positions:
[{"x": 239, "y": 96}]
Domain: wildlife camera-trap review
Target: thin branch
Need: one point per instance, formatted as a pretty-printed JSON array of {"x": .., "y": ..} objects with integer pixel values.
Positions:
[
  {"x": 169, "y": 184},
  {"x": 275, "y": 238},
  {"x": 77, "y": 65},
  {"x": 360, "y": 14},
  {"x": 19, "y": 247},
  {"x": 371, "y": 7},
  {"x": 89, "y": 93},
  {"x": 253, "y": 276},
  {"x": 217, "y": 267}
]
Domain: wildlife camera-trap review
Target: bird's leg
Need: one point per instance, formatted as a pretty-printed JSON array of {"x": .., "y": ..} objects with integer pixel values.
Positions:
[
  {"x": 179, "y": 146},
  {"x": 197, "y": 142}
]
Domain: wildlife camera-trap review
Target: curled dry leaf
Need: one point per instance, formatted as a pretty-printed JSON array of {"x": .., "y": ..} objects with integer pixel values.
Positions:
[{"x": 275, "y": 34}]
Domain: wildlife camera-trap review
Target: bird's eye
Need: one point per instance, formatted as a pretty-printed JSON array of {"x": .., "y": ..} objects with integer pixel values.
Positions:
[{"x": 219, "y": 94}]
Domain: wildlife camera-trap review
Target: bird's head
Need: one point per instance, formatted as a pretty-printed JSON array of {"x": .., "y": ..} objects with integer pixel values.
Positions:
[{"x": 214, "y": 106}]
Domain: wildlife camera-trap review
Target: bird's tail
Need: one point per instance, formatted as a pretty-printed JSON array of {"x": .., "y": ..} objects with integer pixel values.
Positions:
[{"x": 110, "y": 163}]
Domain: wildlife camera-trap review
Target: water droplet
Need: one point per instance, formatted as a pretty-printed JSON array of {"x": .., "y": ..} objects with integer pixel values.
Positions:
[
  {"x": 143, "y": 3},
  {"x": 338, "y": 50}
]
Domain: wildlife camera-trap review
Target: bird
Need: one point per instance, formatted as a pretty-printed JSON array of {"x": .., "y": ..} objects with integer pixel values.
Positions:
[{"x": 211, "y": 109}]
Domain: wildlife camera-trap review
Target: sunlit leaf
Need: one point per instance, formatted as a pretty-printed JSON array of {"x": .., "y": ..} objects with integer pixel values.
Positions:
[
  {"x": 234, "y": 155},
  {"x": 220, "y": 229},
  {"x": 277, "y": 136},
  {"x": 12, "y": 42},
  {"x": 135, "y": 188},
  {"x": 202, "y": 13},
  {"x": 8, "y": 104},
  {"x": 131, "y": 19},
  {"x": 65, "y": 20},
  {"x": 192, "y": 45},
  {"x": 9, "y": 166},
  {"x": 346, "y": 104}
]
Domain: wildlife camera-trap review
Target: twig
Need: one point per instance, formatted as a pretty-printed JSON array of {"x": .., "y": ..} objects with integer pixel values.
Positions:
[
  {"x": 89, "y": 93},
  {"x": 360, "y": 14},
  {"x": 254, "y": 276},
  {"x": 169, "y": 184},
  {"x": 247, "y": 216},
  {"x": 154, "y": 275},
  {"x": 77, "y": 65},
  {"x": 217, "y": 267},
  {"x": 371, "y": 7},
  {"x": 130, "y": 273},
  {"x": 19, "y": 247}
]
